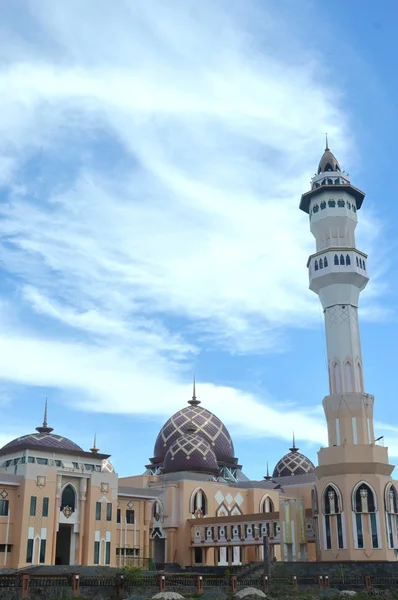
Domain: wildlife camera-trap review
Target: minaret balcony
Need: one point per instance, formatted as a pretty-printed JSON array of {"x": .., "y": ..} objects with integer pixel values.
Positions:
[{"x": 337, "y": 266}]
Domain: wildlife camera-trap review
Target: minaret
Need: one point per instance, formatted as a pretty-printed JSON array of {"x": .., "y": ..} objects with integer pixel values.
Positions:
[{"x": 338, "y": 273}]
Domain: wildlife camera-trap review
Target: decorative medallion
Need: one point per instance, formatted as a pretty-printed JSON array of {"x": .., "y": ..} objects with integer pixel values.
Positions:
[
  {"x": 4, "y": 494},
  {"x": 104, "y": 487},
  {"x": 130, "y": 505},
  {"x": 67, "y": 511},
  {"x": 41, "y": 481}
]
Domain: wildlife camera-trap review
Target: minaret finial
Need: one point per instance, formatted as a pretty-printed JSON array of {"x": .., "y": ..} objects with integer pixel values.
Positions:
[
  {"x": 327, "y": 145},
  {"x": 94, "y": 449},
  {"x": 268, "y": 476},
  {"x": 194, "y": 401},
  {"x": 44, "y": 428},
  {"x": 294, "y": 447}
]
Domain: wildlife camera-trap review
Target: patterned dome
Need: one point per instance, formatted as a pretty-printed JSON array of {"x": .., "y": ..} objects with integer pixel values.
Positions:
[
  {"x": 42, "y": 439},
  {"x": 190, "y": 452},
  {"x": 293, "y": 463},
  {"x": 206, "y": 424}
]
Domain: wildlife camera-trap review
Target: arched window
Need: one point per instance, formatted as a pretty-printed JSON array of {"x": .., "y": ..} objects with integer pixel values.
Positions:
[
  {"x": 364, "y": 266},
  {"x": 316, "y": 208},
  {"x": 332, "y": 509},
  {"x": 341, "y": 259},
  {"x": 316, "y": 265},
  {"x": 357, "y": 262},
  {"x": 330, "y": 181},
  {"x": 198, "y": 503},
  {"x": 349, "y": 205},
  {"x": 320, "y": 263},
  {"x": 266, "y": 505},
  {"x": 336, "y": 259},
  {"x": 391, "y": 508},
  {"x": 68, "y": 498},
  {"x": 323, "y": 205},
  {"x": 340, "y": 203},
  {"x": 332, "y": 203},
  {"x": 325, "y": 262},
  {"x": 157, "y": 511},
  {"x": 347, "y": 260},
  {"x": 364, "y": 507}
]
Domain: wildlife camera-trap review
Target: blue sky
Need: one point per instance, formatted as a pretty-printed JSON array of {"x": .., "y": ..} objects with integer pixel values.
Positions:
[{"x": 151, "y": 166}]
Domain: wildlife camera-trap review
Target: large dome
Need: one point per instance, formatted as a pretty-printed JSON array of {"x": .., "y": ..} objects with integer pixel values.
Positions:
[
  {"x": 207, "y": 426},
  {"x": 293, "y": 463},
  {"x": 190, "y": 452}
]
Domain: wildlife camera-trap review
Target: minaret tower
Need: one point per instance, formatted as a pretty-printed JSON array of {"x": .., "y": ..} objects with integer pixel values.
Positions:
[{"x": 353, "y": 473}]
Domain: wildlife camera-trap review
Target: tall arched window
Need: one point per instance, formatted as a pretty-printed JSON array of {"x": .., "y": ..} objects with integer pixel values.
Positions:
[
  {"x": 316, "y": 265},
  {"x": 341, "y": 259},
  {"x": 391, "y": 508},
  {"x": 357, "y": 262},
  {"x": 336, "y": 259},
  {"x": 68, "y": 498},
  {"x": 198, "y": 503},
  {"x": 325, "y": 262},
  {"x": 332, "y": 509},
  {"x": 365, "y": 507},
  {"x": 320, "y": 263},
  {"x": 266, "y": 505},
  {"x": 347, "y": 260}
]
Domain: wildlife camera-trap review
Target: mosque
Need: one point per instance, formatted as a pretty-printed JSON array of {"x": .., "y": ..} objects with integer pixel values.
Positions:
[{"x": 193, "y": 505}]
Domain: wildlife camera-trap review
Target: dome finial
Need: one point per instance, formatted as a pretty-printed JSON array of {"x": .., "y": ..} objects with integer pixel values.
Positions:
[
  {"x": 44, "y": 428},
  {"x": 327, "y": 145},
  {"x": 194, "y": 401},
  {"x": 268, "y": 476},
  {"x": 293, "y": 448},
  {"x": 94, "y": 449}
]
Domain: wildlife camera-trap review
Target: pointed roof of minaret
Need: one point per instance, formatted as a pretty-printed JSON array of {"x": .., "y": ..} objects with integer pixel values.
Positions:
[
  {"x": 328, "y": 160},
  {"x": 94, "y": 449},
  {"x": 194, "y": 401},
  {"x": 45, "y": 428}
]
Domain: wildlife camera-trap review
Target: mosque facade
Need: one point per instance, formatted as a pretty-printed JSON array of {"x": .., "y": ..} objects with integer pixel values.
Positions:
[{"x": 193, "y": 506}]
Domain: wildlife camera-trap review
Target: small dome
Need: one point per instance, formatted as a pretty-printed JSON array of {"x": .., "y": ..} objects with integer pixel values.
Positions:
[
  {"x": 206, "y": 424},
  {"x": 293, "y": 463},
  {"x": 328, "y": 162},
  {"x": 42, "y": 440},
  {"x": 190, "y": 452}
]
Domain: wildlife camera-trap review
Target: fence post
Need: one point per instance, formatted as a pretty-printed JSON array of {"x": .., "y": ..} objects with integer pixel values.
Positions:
[
  {"x": 199, "y": 584},
  {"x": 120, "y": 587},
  {"x": 294, "y": 581},
  {"x": 320, "y": 582},
  {"x": 162, "y": 583},
  {"x": 75, "y": 585},
  {"x": 368, "y": 582},
  {"x": 25, "y": 585},
  {"x": 326, "y": 582},
  {"x": 266, "y": 583},
  {"x": 234, "y": 584}
]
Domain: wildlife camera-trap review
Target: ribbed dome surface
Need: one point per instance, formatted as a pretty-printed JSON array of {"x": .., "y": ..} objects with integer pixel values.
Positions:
[
  {"x": 293, "y": 463},
  {"x": 43, "y": 440},
  {"x": 206, "y": 424},
  {"x": 190, "y": 452}
]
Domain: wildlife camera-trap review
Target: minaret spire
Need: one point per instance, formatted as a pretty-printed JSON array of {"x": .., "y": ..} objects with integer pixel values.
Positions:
[
  {"x": 294, "y": 447},
  {"x": 327, "y": 145},
  {"x": 45, "y": 428},
  {"x": 194, "y": 401},
  {"x": 268, "y": 476}
]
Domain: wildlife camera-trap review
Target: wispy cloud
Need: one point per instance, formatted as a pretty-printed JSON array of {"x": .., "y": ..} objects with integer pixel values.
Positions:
[{"x": 156, "y": 160}]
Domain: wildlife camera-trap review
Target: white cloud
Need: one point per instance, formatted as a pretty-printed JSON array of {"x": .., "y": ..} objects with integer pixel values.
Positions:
[{"x": 178, "y": 226}]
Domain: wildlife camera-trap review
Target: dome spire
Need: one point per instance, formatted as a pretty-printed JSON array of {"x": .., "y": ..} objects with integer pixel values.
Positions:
[
  {"x": 327, "y": 145},
  {"x": 294, "y": 447},
  {"x": 94, "y": 449},
  {"x": 45, "y": 428},
  {"x": 194, "y": 401},
  {"x": 268, "y": 476}
]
